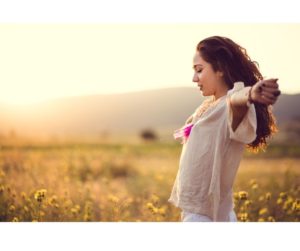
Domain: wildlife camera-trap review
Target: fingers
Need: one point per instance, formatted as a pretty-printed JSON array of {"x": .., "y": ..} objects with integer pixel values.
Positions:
[
  {"x": 269, "y": 84},
  {"x": 277, "y": 93},
  {"x": 273, "y": 91},
  {"x": 266, "y": 100},
  {"x": 266, "y": 91},
  {"x": 269, "y": 95},
  {"x": 270, "y": 79},
  {"x": 269, "y": 88}
]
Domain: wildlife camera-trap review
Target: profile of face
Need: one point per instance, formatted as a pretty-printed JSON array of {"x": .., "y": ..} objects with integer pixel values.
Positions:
[{"x": 209, "y": 81}]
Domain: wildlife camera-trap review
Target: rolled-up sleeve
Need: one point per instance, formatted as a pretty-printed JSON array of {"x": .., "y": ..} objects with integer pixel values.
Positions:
[{"x": 246, "y": 130}]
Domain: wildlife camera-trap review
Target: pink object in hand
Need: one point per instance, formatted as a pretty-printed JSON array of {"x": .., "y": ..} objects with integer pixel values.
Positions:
[{"x": 183, "y": 132}]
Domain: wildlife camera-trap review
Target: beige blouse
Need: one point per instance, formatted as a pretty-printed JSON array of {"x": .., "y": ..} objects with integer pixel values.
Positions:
[{"x": 210, "y": 158}]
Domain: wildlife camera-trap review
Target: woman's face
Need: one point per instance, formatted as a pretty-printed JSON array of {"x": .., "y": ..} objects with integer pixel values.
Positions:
[{"x": 209, "y": 81}]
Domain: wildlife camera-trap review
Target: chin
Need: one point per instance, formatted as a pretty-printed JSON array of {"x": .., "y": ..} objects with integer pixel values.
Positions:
[{"x": 203, "y": 94}]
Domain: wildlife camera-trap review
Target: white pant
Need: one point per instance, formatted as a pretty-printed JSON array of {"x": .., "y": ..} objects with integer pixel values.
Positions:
[{"x": 192, "y": 217}]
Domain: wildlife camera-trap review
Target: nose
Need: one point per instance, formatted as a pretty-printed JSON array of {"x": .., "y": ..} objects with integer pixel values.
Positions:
[{"x": 195, "y": 77}]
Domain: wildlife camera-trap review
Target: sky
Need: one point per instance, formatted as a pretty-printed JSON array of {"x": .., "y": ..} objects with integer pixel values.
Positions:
[{"x": 44, "y": 60}]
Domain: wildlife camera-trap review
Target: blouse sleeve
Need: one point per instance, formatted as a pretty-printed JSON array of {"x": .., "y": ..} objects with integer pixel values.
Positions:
[{"x": 246, "y": 130}]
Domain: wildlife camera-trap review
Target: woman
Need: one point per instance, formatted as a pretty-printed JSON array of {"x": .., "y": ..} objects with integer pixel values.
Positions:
[{"x": 214, "y": 137}]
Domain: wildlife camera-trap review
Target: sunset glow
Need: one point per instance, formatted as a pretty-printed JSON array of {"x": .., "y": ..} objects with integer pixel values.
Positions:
[{"x": 45, "y": 61}]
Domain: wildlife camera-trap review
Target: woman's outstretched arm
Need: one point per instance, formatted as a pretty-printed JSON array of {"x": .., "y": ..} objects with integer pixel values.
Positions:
[{"x": 264, "y": 91}]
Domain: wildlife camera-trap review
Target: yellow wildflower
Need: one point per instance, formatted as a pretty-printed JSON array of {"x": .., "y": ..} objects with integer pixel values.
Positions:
[
  {"x": 243, "y": 208},
  {"x": 283, "y": 195},
  {"x": 15, "y": 219},
  {"x": 74, "y": 211},
  {"x": 261, "y": 220},
  {"x": 279, "y": 201},
  {"x": 154, "y": 198},
  {"x": 67, "y": 204},
  {"x": 243, "y": 195},
  {"x": 151, "y": 207},
  {"x": 12, "y": 208},
  {"x": 244, "y": 217},
  {"x": 252, "y": 182},
  {"x": 271, "y": 218},
  {"x": 40, "y": 195},
  {"x": 254, "y": 186},
  {"x": 162, "y": 211},
  {"x": 87, "y": 217},
  {"x": 288, "y": 203},
  {"x": 23, "y": 195},
  {"x": 263, "y": 211},
  {"x": 2, "y": 188},
  {"x": 53, "y": 200},
  {"x": 268, "y": 196},
  {"x": 296, "y": 206},
  {"x": 155, "y": 210},
  {"x": 248, "y": 203},
  {"x": 235, "y": 195},
  {"x": 77, "y": 207}
]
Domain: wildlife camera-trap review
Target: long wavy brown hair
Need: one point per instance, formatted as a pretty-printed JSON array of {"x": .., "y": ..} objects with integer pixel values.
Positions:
[{"x": 232, "y": 59}]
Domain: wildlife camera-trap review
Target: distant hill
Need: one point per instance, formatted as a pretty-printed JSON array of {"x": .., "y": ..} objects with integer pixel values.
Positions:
[
  {"x": 163, "y": 110},
  {"x": 287, "y": 108}
]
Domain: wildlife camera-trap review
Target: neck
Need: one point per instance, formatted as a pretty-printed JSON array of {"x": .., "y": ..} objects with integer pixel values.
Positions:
[
  {"x": 220, "y": 94},
  {"x": 221, "y": 90}
]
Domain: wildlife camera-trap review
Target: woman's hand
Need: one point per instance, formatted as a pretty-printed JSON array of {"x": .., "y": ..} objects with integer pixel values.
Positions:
[{"x": 265, "y": 91}]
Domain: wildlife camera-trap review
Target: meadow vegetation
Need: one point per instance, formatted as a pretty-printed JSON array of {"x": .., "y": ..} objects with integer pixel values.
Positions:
[{"x": 132, "y": 182}]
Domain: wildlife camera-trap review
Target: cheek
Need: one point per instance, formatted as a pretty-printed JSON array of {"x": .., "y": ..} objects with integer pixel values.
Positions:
[
  {"x": 204, "y": 80},
  {"x": 208, "y": 80},
  {"x": 200, "y": 76}
]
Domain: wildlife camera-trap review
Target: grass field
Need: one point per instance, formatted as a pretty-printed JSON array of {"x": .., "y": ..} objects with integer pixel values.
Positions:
[{"x": 132, "y": 182}]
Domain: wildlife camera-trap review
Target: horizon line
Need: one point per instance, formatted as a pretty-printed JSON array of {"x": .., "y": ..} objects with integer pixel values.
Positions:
[{"x": 2, "y": 102}]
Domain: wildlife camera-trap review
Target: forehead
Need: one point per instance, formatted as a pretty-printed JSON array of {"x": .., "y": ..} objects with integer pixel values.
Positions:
[{"x": 197, "y": 60}]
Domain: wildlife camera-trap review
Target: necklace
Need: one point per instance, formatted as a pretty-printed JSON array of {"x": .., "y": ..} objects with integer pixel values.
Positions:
[
  {"x": 184, "y": 132},
  {"x": 205, "y": 105}
]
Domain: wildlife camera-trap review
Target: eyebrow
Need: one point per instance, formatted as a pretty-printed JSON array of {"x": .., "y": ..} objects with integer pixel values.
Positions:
[{"x": 194, "y": 67}]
